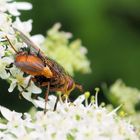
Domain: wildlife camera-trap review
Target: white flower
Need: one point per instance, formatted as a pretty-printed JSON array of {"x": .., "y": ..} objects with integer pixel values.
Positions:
[
  {"x": 125, "y": 95},
  {"x": 13, "y": 74},
  {"x": 4, "y": 62},
  {"x": 17, "y": 79},
  {"x": 13, "y": 7},
  {"x": 38, "y": 39},
  {"x": 2, "y": 50},
  {"x": 68, "y": 122},
  {"x": 63, "y": 36},
  {"x": 28, "y": 93},
  {"x": 16, "y": 125},
  {"x": 5, "y": 25},
  {"x": 33, "y": 88},
  {"x": 25, "y": 26}
]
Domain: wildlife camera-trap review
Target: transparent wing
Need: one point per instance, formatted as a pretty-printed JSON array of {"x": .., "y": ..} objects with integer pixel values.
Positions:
[{"x": 29, "y": 42}]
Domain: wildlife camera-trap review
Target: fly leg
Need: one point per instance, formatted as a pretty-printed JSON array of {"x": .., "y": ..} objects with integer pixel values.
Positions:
[
  {"x": 55, "y": 106},
  {"x": 61, "y": 98},
  {"x": 11, "y": 44},
  {"x": 38, "y": 53},
  {"x": 46, "y": 97}
]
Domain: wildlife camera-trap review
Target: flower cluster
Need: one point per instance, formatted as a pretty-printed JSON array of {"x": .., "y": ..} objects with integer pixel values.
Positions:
[
  {"x": 8, "y": 71},
  {"x": 122, "y": 94},
  {"x": 129, "y": 97},
  {"x": 13, "y": 7},
  {"x": 71, "y": 121},
  {"x": 71, "y": 55}
]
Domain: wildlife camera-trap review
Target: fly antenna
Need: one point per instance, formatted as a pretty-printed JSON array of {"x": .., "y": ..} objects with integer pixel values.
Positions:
[
  {"x": 79, "y": 87},
  {"x": 11, "y": 44}
]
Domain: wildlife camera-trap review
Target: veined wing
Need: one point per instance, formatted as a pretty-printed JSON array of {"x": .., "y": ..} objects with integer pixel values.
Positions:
[{"x": 29, "y": 42}]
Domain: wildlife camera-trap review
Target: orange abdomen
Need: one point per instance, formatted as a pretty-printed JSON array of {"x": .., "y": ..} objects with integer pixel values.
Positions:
[{"x": 32, "y": 65}]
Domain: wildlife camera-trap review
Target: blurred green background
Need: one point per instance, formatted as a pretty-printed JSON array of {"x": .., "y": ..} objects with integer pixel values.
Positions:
[{"x": 109, "y": 29}]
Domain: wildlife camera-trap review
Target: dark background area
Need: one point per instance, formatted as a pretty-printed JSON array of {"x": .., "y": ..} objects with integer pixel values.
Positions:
[{"x": 109, "y": 29}]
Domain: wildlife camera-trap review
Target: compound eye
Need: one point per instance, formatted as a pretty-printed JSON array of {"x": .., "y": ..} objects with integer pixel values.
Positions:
[{"x": 70, "y": 85}]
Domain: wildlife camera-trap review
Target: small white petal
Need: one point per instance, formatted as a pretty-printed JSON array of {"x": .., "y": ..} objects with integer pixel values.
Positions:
[
  {"x": 38, "y": 39},
  {"x": 2, "y": 50},
  {"x": 8, "y": 60},
  {"x": 25, "y": 26},
  {"x": 34, "y": 89},
  {"x": 14, "y": 12},
  {"x": 23, "y": 5},
  {"x": 3, "y": 126},
  {"x": 39, "y": 103},
  {"x": 8, "y": 114},
  {"x": 27, "y": 96},
  {"x": 15, "y": 71},
  {"x": 80, "y": 99},
  {"x": 12, "y": 85},
  {"x": 4, "y": 74}
]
